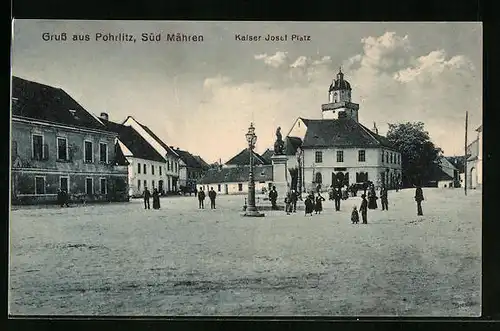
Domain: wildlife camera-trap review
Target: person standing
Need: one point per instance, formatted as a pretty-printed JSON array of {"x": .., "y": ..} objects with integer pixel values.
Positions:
[
  {"x": 383, "y": 198},
  {"x": 201, "y": 199},
  {"x": 309, "y": 204},
  {"x": 318, "y": 207},
  {"x": 212, "y": 195},
  {"x": 288, "y": 202},
  {"x": 156, "y": 199},
  {"x": 419, "y": 197},
  {"x": 364, "y": 209},
  {"x": 273, "y": 197},
  {"x": 293, "y": 201},
  {"x": 146, "y": 195},
  {"x": 354, "y": 215},
  {"x": 337, "y": 195},
  {"x": 372, "y": 197}
]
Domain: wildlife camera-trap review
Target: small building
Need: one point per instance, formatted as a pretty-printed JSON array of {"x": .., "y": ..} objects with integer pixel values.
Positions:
[
  {"x": 192, "y": 167},
  {"x": 475, "y": 161},
  {"x": 171, "y": 158},
  {"x": 444, "y": 174},
  {"x": 232, "y": 177},
  {"x": 234, "y": 180},
  {"x": 57, "y": 144},
  {"x": 147, "y": 167}
]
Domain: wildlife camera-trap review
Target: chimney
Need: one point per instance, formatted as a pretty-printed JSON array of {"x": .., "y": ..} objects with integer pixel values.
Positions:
[
  {"x": 375, "y": 128},
  {"x": 104, "y": 116}
]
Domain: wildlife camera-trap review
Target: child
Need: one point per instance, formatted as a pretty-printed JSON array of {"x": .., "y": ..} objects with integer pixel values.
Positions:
[
  {"x": 287, "y": 203},
  {"x": 364, "y": 208},
  {"x": 355, "y": 215}
]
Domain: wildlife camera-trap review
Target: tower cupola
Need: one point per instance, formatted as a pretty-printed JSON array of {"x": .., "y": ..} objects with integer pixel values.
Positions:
[{"x": 339, "y": 100}]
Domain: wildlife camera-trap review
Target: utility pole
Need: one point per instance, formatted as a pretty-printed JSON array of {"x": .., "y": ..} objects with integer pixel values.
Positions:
[{"x": 465, "y": 161}]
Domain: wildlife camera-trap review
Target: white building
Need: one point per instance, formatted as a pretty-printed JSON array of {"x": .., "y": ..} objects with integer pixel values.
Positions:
[
  {"x": 475, "y": 161},
  {"x": 233, "y": 176},
  {"x": 337, "y": 148},
  {"x": 170, "y": 157}
]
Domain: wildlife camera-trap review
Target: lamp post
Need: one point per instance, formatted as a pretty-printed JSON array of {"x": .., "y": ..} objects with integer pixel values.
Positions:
[
  {"x": 299, "y": 155},
  {"x": 251, "y": 209}
]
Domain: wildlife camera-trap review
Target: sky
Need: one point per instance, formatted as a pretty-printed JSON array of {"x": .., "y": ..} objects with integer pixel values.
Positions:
[{"x": 202, "y": 96}]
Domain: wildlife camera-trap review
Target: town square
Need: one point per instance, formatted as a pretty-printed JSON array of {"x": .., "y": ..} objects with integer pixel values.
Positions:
[{"x": 169, "y": 179}]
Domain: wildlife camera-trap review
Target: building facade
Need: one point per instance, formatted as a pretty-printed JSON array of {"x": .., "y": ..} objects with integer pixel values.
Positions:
[
  {"x": 171, "y": 158},
  {"x": 337, "y": 149},
  {"x": 56, "y": 144},
  {"x": 475, "y": 161},
  {"x": 192, "y": 168}
]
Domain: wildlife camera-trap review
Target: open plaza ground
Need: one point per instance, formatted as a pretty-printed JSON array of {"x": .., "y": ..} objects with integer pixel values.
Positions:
[{"x": 119, "y": 259}]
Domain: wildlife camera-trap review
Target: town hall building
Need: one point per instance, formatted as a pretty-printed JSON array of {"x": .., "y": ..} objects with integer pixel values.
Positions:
[{"x": 336, "y": 149}]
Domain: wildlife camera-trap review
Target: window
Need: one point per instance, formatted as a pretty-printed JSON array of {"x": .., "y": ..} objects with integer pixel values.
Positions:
[
  {"x": 340, "y": 156},
  {"x": 319, "y": 178},
  {"x": 168, "y": 165},
  {"x": 361, "y": 177},
  {"x": 62, "y": 149},
  {"x": 64, "y": 183},
  {"x": 175, "y": 164},
  {"x": 39, "y": 185},
  {"x": 391, "y": 158},
  {"x": 37, "y": 147},
  {"x": 103, "y": 153},
  {"x": 139, "y": 185},
  {"x": 88, "y": 150},
  {"x": 218, "y": 188},
  {"x": 138, "y": 168},
  {"x": 89, "y": 186},
  {"x": 152, "y": 169},
  {"x": 144, "y": 169},
  {"x": 318, "y": 158},
  {"x": 240, "y": 187},
  {"x": 361, "y": 156},
  {"x": 104, "y": 186},
  {"x": 160, "y": 167},
  {"x": 153, "y": 183},
  {"x": 145, "y": 184}
]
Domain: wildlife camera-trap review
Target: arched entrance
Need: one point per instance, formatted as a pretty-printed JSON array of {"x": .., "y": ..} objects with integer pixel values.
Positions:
[{"x": 473, "y": 177}]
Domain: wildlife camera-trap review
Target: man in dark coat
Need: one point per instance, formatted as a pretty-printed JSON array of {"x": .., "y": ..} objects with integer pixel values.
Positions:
[
  {"x": 273, "y": 197},
  {"x": 383, "y": 198},
  {"x": 201, "y": 199},
  {"x": 337, "y": 196},
  {"x": 212, "y": 195},
  {"x": 419, "y": 197},
  {"x": 146, "y": 195},
  {"x": 364, "y": 209}
]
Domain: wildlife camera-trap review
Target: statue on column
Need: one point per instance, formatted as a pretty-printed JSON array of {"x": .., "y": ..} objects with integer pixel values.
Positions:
[{"x": 279, "y": 145}]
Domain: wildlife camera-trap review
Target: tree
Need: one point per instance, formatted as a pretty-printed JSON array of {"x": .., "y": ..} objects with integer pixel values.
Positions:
[{"x": 418, "y": 153}]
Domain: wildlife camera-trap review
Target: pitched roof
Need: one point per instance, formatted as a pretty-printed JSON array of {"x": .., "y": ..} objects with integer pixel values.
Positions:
[
  {"x": 119, "y": 157},
  {"x": 155, "y": 137},
  {"x": 243, "y": 158},
  {"x": 267, "y": 156},
  {"x": 237, "y": 174},
  {"x": 189, "y": 159},
  {"x": 343, "y": 132},
  {"x": 291, "y": 145},
  {"x": 200, "y": 160},
  {"x": 50, "y": 104},
  {"x": 137, "y": 145}
]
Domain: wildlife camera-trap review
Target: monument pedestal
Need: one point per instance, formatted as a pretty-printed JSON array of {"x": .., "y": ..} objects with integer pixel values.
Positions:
[{"x": 280, "y": 175}]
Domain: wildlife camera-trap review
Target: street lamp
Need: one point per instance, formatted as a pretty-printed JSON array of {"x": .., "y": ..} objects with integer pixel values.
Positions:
[
  {"x": 251, "y": 209},
  {"x": 299, "y": 154}
]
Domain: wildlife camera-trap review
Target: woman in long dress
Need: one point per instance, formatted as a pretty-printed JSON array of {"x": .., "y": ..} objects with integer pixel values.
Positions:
[
  {"x": 156, "y": 199},
  {"x": 318, "y": 207},
  {"x": 372, "y": 198}
]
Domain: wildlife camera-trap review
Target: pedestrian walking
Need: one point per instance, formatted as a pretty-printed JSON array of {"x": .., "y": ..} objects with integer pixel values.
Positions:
[
  {"x": 212, "y": 195},
  {"x": 364, "y": 209},
  {"x": 383, "y": 198},
  {"x": 355, "y": 215},
  {"x": 288, "y": 203},
  {"x": 318, "y": 206},
  {"x": 273, "y": 197},
  {"x": 156, "y": 199},
  {"x": 201, "y": 199},
  {"x": 419, "y": 197},
  {"x": 146, "y": 195}
]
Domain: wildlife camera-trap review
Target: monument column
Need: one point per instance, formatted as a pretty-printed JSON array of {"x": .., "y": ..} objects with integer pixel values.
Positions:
[{"x": 280, "y": 175}]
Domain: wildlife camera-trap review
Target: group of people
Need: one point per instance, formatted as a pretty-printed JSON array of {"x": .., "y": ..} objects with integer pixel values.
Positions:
[
  {"x": 201, "y": 198},
  {"x": 62, "y": 198},
  {"x": 156, "y": 198}
]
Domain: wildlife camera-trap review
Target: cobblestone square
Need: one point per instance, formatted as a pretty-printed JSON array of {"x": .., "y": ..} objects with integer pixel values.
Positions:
[{"x": 119, "y": 259}]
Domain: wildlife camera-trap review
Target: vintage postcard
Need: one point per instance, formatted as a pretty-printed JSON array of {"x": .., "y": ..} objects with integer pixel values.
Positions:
[{"x": 178, "y": 168}]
